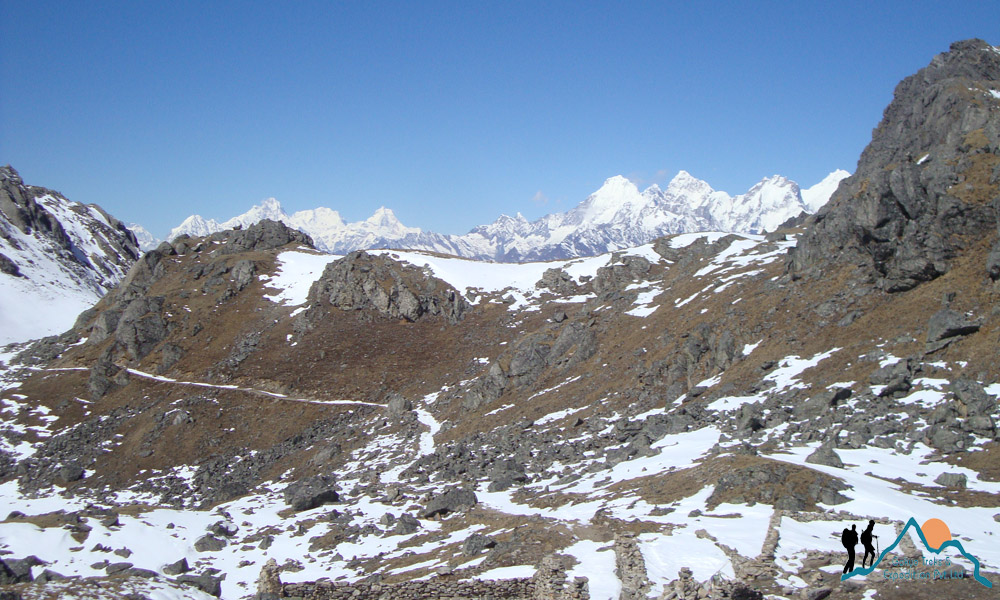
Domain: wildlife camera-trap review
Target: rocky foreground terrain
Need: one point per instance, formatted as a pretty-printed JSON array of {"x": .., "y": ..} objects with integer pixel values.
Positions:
[{"x": 699, "y": 417}]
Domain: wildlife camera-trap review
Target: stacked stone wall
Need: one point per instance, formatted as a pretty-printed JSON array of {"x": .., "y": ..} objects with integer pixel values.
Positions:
[{"x": 438, "y": 588}]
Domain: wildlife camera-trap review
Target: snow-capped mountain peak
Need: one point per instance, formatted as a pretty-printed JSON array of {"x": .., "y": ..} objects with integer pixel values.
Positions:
[
  {"x": 615, "y": 216},
  {"x": 270, "y": 208},
  {"x": 816, "y": 196},
  {"x": 195, "y": 225},
  {"x": 147, "y": 241},
  {"x": 617, "y": 194},
  {"x": 316, "y": 219}
]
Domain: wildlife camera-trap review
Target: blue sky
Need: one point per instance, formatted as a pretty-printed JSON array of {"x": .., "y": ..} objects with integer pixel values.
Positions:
[{"x": 448, "y": 113}]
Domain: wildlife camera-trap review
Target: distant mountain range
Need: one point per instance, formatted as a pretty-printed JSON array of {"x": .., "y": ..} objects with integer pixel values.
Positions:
[{"x": 616, "y": 216}]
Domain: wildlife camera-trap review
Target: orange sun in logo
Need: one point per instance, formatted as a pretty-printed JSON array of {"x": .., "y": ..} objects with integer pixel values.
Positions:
[{"x": 936, "y": 533}]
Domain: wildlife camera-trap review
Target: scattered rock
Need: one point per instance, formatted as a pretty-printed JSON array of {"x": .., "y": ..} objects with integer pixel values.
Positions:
[
  {"x": 49, "y": 575},
  {"x": 138, "y": 572},
  {"x": 223, "y": 528},
  {"x": 406, "y": 524},
  {"x": 15, "y": 571},
  {"x": 816, "y": 593},
  {"x": 70, "y": 473},
  {"x": 398, "y": 406}
]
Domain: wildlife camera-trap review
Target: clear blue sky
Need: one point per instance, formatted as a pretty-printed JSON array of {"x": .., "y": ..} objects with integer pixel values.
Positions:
[{"x": 449, "y": 113}]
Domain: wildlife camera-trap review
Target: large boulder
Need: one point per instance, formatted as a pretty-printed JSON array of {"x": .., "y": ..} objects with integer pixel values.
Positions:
[
  {"x": 311, "y": 492},
  {"x": 947, "y": 323},
  {"x": 453, "y": 500},
  {"x": 207, "y": 583}
]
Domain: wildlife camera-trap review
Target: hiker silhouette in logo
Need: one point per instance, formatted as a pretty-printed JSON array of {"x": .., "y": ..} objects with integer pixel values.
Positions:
[
  {"x": 849, "y": 539},
  {"x": 866, "y": 541}
]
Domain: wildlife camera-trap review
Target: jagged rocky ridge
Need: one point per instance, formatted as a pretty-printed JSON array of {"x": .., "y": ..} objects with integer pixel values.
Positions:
[
  {"x": 928, "y": 184},
  {"x": 705, "y": 391},
  {"x": 57, "y": 257}
]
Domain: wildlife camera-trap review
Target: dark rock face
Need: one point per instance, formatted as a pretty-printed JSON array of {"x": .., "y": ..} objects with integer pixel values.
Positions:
[
  {"x": 8, "y": 266},
  {"x": 926, "y": 185},
  {"x": 361, "y": 281},
  {"x": 15, "y": 571},
  {"x": 17, "y": 203}
]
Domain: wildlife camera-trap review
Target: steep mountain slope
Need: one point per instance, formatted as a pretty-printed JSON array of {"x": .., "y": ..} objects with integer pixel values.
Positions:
[
  {"x": 57, "y": 258},
  {"x": 616, "y": 216},
  {"x": 696, "y": 417}
]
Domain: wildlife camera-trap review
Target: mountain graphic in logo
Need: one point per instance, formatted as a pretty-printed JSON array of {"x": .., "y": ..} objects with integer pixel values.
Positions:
[{"x": 936, "y": 537}]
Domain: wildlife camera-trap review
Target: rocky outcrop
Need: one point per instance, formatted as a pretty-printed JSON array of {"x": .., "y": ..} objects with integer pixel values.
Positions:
[
  {"x": 362, "y": 281},
  {"x": 558, "y": 282},
  {"x": 926, "y": 186},
  {"x": 561, "y": 346},
  {"x": 8, "y": 266},
  {"x": 785, "y": 487},
  {"x": 615, "y": 277},
  {"x": 263, "y": 235}
]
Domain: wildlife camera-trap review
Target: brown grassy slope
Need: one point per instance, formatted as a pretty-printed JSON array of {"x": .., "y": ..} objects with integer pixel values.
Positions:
[{"x": 360, "y": 355}]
